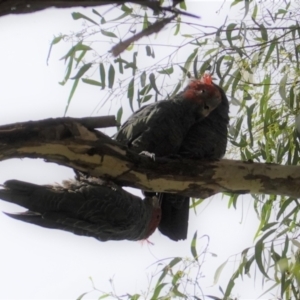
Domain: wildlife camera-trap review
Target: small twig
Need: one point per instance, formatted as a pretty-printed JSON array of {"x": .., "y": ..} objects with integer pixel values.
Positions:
[{"x": 156, "y": 27}]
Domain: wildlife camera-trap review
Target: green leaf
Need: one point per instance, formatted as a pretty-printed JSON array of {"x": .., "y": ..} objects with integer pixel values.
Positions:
[
  {"x": 247, "y": 4},
  {"x": 275, "y": 256},
  {"x": 210, "y": 51},
  {"x": 282, "y": 87},
  {"x": 259, "y": 247},
  {"x": 230, "y": 285},
  {"x": 195, "y": 67},
  {"x": 57, "y": 39},
  {"x": 182, "y": 5},
  {"x": 152, "y": 53},
  {"x": 176, "y": 291},
  {"x": 265, "y": 95},
  {"x": 121, "y": 62},
  {"x": 284, "y": 206},
  {"x": 193, "y": 246},
  {"x": 168, "y": 71},
  {"x": 130, "y": 93},
  {"x": 271, "y": 49},
  {"x": 177, "y": 88},
  {"x": 111, "y": 76},
  {"x": 108, "y": 33},
  {"x": 177, "y": 28},
  {"x": 124, "y": 15},
  {"x": 96, "y": 13},
  {"x": 268, "y": 290},
  {"x": 218, "y": 66},
  {"x": 219, "y": 271},
  {"x": 134, "y": 297},
  {"x": 130, "y": 65},
  {"x": 75, "y": 84},
  {"x": 174, "y": 262},
  {"x": 148, "y": 50},
  {"x": 295, "y": 243},
  {"x": 248, "y": 264},
  {"x": 104, "y": 296},
  {"x": 229, "y": 30},
  {"x": 286, "y": 246},
  {"x": 82, "y": 70},
  {"x": 69, "y": 70},
  {"x": 163, "y": 275},
  {"x": 146, "y": 22},
  {"x": 145, "y": 90},
  {"x": 229, "y": 64},
  {"x": 238, "y": 50},
  {"x": 233, "y": 200},
  {"x": 77, "y": 16},
  {"x": 74, "y": 49},
  {"x": 157, "y": 291},
  {"x": 176, "y": 277},
  {"x": 269, "y": 225},
  {"x": 81, "y": 296},
  {"x": 143, "y": 79},
  {"x": 134, "y": 67},
  {"x": 283, "y": 232},
  {"x": 185, "y": 71},
  {"x": 254, "y": 12},
  {"x": 153, "y": 83},
  {"x": 91, "y": 81},
  {"x": 126, "y": 8},
  {"x": 80, "y": 57},
  {"x": 264, "y": 33},
  {"x": 249, "y": 121},
  {"x": 235, "y": 2},
  {"x": 237, "y": 77},
  {"x": 119, "y": 115},
  {"x": 146, "y": 98},
  {"x": 102, "y": 74},
  {"x": 189, "y": 60}
]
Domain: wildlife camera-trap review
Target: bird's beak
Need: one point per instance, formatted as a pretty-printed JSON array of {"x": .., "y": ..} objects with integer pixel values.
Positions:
[{"x": 210, "y": 104}]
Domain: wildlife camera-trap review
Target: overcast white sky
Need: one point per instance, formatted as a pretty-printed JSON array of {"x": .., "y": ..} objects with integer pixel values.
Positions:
[{"x": 37, "y": 263}]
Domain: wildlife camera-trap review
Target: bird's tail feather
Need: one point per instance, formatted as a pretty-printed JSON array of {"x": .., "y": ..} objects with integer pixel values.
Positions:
[{"x": 175, "y": 216}]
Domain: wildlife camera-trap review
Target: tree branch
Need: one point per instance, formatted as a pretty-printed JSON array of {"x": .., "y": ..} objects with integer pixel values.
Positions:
[
  {"x": 29, "y": 6},
  {"x": 68, "y": 142}
]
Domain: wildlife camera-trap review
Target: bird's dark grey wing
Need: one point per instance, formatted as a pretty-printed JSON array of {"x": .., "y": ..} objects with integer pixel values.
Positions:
[
  {"x": 159, "y": 128},
  {"x": 86, "y": 209},
  {"x": 206, "y": 139}
]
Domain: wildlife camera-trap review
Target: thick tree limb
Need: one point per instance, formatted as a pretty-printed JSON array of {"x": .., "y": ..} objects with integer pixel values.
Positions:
[
  {"x": 29, "y": 6},
  {"x": 68, "y": 142}
]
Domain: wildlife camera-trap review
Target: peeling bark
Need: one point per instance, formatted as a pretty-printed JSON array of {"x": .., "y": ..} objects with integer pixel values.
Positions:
[{"x": 69, "y": 142}]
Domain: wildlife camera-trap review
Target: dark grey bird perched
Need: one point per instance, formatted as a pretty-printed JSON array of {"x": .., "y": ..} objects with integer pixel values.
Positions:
[
  {"x": 162, "y": 128},
  {"x": 206, "y": 140},
  {"x": 85, "y": 207}
]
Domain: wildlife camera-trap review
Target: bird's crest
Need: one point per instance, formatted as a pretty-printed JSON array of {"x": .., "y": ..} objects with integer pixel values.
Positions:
[
  {"x": 198, "y": 84},
  {"x": 206, "y": 78}
]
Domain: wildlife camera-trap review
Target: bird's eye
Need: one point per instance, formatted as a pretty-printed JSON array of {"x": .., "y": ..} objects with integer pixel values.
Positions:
[{"x": 202, "y": 91}]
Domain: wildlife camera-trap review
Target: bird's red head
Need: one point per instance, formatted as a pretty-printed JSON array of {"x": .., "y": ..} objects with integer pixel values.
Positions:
[
  {"x": 155, "y": 217},
  {"x": 203, "y": 92}
]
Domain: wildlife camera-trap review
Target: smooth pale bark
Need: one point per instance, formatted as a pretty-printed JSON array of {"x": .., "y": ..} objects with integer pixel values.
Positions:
[{"x": 76, "y": 144}]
